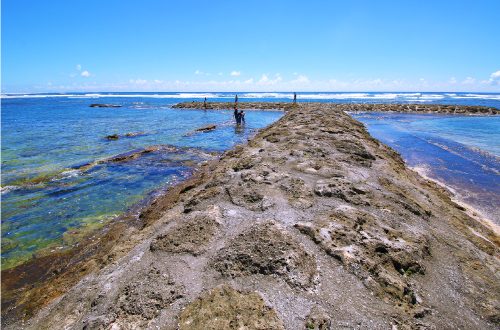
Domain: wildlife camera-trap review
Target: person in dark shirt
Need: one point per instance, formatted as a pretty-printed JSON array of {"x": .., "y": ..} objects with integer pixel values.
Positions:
[{"x": 237, "y": 115}]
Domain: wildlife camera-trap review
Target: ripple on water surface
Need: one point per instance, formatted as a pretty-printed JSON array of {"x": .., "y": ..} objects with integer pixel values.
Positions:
[
  {"x": 61, "y": 177},
  {"x": 459, "y": 151}
]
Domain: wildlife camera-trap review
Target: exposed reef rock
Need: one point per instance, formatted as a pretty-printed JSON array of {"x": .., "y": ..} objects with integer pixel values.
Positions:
[
  {"x": 191, "y": 236},
  {"x": 207, "y": 128},
  {"x": 312, "y": 225},
  {"x": 227, "y": 308},
  {"x": 350, "y": 107},
  {"x": 241, "y": 105},
  {"x": 267, "y": 249}
]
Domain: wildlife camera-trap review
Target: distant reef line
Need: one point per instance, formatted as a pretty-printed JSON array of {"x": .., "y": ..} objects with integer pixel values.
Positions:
[{"x": 347, "y": 107}]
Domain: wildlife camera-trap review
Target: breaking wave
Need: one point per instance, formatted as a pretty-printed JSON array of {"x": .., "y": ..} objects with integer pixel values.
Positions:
[{"x": 410, "y": 97}]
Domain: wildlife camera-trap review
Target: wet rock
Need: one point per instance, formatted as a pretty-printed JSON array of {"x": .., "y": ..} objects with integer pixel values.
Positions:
[
  {"x": 227, "y": 308},
  {"x": 134, "y": 134},
  {"x": 112, "y": 137},
  {"x": 207, "y": 128},
  {"x": 267, "y": 249}
]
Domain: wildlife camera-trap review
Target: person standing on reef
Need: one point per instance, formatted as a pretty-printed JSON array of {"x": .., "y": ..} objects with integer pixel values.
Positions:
[
  {"x": 238, "y": 117},
  {"x": 294, "y": 98},
  {"x": 242, "y": 116},
  {"x": 236, "y": 108},
  {"x": 205, "y": 103}
]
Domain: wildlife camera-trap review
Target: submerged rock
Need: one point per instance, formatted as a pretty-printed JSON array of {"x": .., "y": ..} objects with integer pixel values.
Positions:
[
  {"x": 207, "y": 128},
  {"x": 103, "y": 105},
  {"x": 134, "y": 134},
  {"x": 112, "y": 137},
  {"x": 128, "y": 135}
]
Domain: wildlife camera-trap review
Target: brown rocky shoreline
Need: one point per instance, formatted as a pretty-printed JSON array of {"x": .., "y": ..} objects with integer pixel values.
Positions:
[
  {"x": 349, "y": 107},
  {"x": 313, "y": 224}
]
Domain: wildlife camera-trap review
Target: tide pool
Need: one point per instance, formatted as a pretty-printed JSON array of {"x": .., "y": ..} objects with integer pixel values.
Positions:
[{"x": 51, "y": 196}]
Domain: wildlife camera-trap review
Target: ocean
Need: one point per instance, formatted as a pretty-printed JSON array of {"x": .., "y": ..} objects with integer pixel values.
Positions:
[{"x": 62, "y": 178}]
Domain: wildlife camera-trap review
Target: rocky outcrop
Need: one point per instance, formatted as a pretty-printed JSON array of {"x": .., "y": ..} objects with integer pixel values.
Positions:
[
  {"x": 351, "y": 107},
  {"x": 313, "y": 224},
  {"x": 265, "y": 106},
  {"x": 227, "y": 308}
]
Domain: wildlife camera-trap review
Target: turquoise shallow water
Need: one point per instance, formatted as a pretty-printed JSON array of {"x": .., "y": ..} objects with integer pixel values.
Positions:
[
  {"x": 48, "y": 202},
  {"x": 462, "y": 152}
]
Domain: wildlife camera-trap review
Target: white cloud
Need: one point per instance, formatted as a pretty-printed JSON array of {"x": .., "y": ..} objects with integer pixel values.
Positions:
[
  {"x": 494, "y": 78},
  {"x": 301, "y": 79},
  {"x": 198, "y": 72},
  {"x": 273, "y": 82},
  {"x": 79, "y": 67},
  {"x": 235, "y": 73},
  {"x": 265, "y": 80},
  {"x": 469, "y": 81}
]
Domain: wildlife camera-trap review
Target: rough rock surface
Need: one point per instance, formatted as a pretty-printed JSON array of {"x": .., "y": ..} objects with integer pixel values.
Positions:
[
  {"x": 226, "y": 308},
  {"x": 313, "y": 224},
  {"x": 354, "y": 107}
]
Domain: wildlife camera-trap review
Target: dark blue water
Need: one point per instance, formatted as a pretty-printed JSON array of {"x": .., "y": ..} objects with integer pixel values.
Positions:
[
  {"x": 49, "y": 200},
  {"x": 462, "y": 152}
]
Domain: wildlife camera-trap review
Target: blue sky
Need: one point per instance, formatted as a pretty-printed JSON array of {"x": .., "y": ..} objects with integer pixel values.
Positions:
[{"x": 272, "y": 45}]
